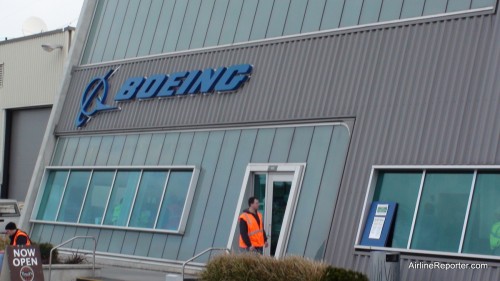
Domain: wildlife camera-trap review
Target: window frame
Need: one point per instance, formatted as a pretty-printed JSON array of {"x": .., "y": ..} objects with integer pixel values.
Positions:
[
  {"x": 141, "y": 169},
  {"x": 298, "y": 170},
  {"x": 424, "y": 169}
]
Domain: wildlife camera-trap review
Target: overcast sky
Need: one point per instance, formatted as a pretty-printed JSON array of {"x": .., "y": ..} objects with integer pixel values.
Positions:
[{"x": 55, "y": 13}]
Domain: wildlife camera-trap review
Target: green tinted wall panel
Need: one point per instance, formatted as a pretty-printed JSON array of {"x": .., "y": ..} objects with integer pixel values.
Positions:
[
  {"x": 281, "y": 145},
  {"x": 36, "y": 233},
  {"x": 46, "y": 234},
  {"x": 412, "y": 9},
  {"x": 301, "y": 139},
  {"x": 216, "y": 22},
  {"x": 116, "y": 150},
  {"x": 484, "y": 216},
  {"x": 246, "y": 19},
  {"x": 278, "y": 17},
  {"x": 116, "y": 243},
  {"x": 152, "y": 20},
  {"x": 69, "y": 232},
  {"x": 138, "y": 28},
  {"x": 435, "y": 7},
  {"x": 93, "y": 150},
  {"x": 205, "y": 180},
  {"x": 476, "y": 4},
  {"x": 104, "y": 30},
  {"x": 141, "y": 150},
  {"x": 332, "y": 14},
  {"x": 231, "y": 22},
  {"x": 441, "y": 214},
  {"x": 175, "y": 26},
  {"x": 79, "y": 243},
  {"x": 168, "y": 149},
  {"x": 104, "y": 150},
  {"x": 57, "y": 235},
  {"x": 327, "y": 195},
  {"x": 59, "y": 151},
  {"x": 143, "y": 244},
  {"x": 188, "y": 25},
  {"x": 241, "y": 159},
  {"x": 154, "y": 150},
  {"x": 158, "y": 242},
  {"x": 104, "y": 240},
  {"x": 312, "y": 180},
  {"x": 126, "y": 30},
  {"x": 162, "y": 26},
  {"x": 202, "y": 22},
  {"x": 391, "y": 10},
  {"x": 370, "y": 11},
  {"x": 458, "y": 5},
  {"x": 130, "y": 242},
  {"x": 351, "y": 13},
  {"x": 313, "y": 16},
  {"x": 94, "y": 31},
  {"x": 183, "y": 148},
  {"x": 402, "y": 188},
  {"x": 70, "y": 151},
  {"x": 261, "y": 19},
  {"x": 81, "y": 151},
  {"x": 89, "y": 243},
  {"x": 295, "y": 16},
  {"x": 129, "y": 150},
  {"x": 263, "y": 145},
  {"x": 114, "y": 32},
  {"x": 218, "y": 190}
]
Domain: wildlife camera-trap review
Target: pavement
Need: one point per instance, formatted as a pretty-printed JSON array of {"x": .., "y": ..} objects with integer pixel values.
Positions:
[{"x": 127, "y": 274}]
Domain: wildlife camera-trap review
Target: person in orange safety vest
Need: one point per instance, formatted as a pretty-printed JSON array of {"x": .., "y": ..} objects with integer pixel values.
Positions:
[
  {"x": 253, "y": 237},
  {"x": 17, "y": 236}
]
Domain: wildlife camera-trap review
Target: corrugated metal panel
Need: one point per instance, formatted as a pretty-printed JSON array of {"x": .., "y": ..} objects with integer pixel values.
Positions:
[
  {"x": 31, "y": 75},
  {"x": 425, "y": 93}
]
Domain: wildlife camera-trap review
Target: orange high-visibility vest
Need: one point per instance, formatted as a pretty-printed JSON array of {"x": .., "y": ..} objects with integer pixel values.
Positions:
[
  {"x": 255, "y": 231},
  {"x": 21, "y": 233}
]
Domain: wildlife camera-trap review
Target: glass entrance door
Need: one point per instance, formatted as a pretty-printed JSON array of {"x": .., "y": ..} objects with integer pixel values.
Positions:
[{"x": 272, "y": 190}]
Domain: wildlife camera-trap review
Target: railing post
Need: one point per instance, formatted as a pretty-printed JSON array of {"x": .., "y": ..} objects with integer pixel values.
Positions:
[
  {"x": 66, "y": 242},
  {"x": 198, "y": 255}
]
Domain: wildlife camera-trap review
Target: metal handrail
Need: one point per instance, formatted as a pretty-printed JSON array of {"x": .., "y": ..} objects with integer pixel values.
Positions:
[
  {"x": 66, "y": 242},
  {"x": 199, "y": 255}
]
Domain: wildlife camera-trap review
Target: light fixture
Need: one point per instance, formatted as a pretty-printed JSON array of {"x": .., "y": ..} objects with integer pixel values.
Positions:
[{"x": 51, "y": 47}]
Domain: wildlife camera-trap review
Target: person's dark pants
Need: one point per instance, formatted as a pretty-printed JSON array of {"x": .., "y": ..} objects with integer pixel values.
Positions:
[{"x": 258, "y": 250}]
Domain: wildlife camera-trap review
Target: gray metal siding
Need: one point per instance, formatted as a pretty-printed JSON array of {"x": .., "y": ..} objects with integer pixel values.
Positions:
[{"x": 146, "y": 27}]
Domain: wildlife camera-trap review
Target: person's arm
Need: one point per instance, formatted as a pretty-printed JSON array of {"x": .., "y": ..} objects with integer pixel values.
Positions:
[
  {"x": 22, "y": 240},
  {"x": 244, "y": 233}
]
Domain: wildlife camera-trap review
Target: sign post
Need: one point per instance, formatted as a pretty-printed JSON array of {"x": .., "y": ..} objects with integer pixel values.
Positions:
[{"x": 25, "y": 263}]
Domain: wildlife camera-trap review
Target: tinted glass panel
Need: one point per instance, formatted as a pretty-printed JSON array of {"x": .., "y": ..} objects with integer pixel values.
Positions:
[
  {"x": 121, "y": 198},
  {"x": 97, "y": 197},
  {"x": 73, "y": 196},
  {"x": 483, "y": 228},
  {"x": 52, "y": 195},
  {"x": 402, "y": 188},
  {"x": 174, "y": 199},
  {"x": 441, "y": 212},
  {"x": 148, "y": 199}
]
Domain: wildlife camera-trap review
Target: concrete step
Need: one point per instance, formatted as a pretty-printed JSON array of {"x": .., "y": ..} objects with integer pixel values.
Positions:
[{"x": 127, "y": 274}]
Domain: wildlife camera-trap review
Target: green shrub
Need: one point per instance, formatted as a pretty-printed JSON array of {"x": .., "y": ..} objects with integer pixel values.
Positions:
[
  {"x": 340, "y": 274},
  {"x": 252, "y": 267},
  {"x": 45, "y": 253},
  {"x": 4, "y": 242},
  {"x": 75, "y": 258}
]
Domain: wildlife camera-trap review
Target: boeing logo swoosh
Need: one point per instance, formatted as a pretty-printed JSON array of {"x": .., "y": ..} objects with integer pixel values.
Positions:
[{"x": 92, "y": 101}]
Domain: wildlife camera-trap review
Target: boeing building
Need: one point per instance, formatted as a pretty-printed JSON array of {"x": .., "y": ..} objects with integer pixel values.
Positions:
[{"x": 360, "y": 125}]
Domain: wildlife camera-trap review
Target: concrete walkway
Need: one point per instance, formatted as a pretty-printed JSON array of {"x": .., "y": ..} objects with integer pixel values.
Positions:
[{"x": 126, "y": 274}]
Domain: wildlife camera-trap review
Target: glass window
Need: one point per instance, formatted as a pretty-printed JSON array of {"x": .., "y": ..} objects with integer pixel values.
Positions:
[
  {"x": 174, "y": 199},
  {"x": 97, "y": 197},
  {"x": 483, "y": 228},
  {"x": 442, "y": 209},
  {"x": 402, "y": 188},
  {"x": 52, "y": 195},
  {"x": 73, "y": 196},
  {"x": 121, "y": 198},
  {"x": 148, "y": 199}
]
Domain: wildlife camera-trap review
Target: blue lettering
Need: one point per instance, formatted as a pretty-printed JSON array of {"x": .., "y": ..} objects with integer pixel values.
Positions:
[
  {"x": 207, "y": 80},
  {"x": 152, "y": 86},
  {"x": 129, "y": 89},
  {"x": 192, "y": 76},
  {"x": 234, "y": 77},
  {"x": 172, "y": 83}
]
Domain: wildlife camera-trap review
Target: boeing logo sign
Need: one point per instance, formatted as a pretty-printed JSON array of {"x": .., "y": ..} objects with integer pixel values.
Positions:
[{"x": 222, "y": 79}]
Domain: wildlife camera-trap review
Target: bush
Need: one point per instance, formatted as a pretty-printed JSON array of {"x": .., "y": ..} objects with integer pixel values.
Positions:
[
  {"x": 4, "y": 242},
  {"x": 75, "y": 258},
  {"x": 45, "y": 253},
  {"x": 252, "y": 267},
  {"x": 340, "y": 274}
]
